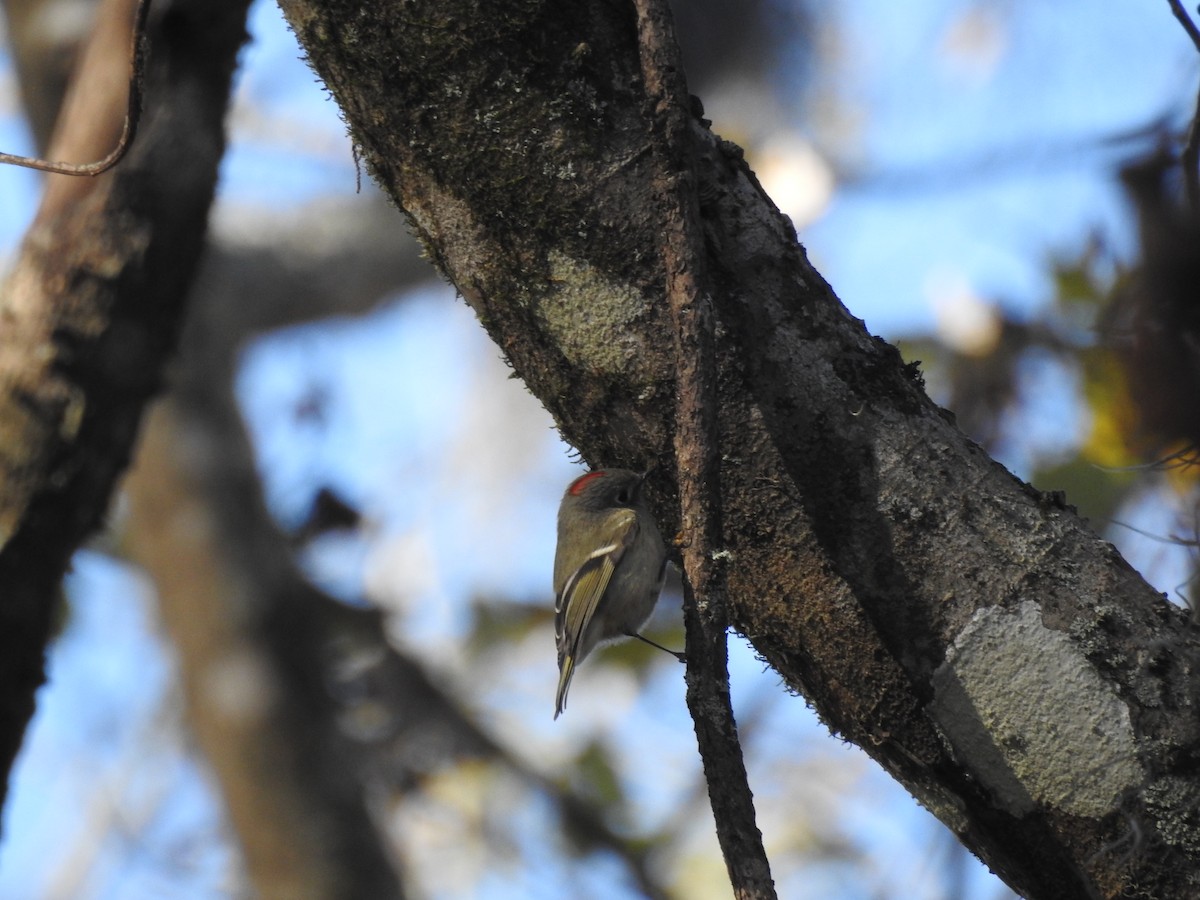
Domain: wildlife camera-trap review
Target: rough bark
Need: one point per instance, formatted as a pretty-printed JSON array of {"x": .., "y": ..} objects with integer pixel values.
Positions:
[
  {"x": 266, "y": 720},
  {"x": 972, "y": 634},
  {"x": 94, "y": 304}
]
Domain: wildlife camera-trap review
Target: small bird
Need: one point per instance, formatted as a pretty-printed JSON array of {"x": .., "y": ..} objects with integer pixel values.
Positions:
[{"x": 608, "y": 568}]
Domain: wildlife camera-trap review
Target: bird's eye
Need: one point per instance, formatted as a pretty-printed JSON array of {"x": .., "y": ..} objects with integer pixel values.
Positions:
[{"x": 623, "y": 497}]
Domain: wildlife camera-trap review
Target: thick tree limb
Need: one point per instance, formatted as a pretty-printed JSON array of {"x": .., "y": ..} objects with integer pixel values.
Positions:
[
  {"x": 970, "y": 633},
  {"x": 697, "y": 465},
  {"x": 93, "y": 306}
]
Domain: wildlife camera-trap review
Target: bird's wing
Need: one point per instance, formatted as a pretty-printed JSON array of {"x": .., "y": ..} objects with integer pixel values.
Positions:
[{"x": 580, "y": 596}]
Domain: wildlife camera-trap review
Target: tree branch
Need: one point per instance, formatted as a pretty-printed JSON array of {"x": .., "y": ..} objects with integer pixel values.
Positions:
[
  {"x": 93, "y": 306},
  {"x": 133, "y": 113},
  {"x": 879, "y": 561},
  {"x": 696, "y": 459}
]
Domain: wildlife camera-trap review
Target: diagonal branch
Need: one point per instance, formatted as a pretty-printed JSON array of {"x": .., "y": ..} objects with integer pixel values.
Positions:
[
  {"x": 92, "y": 308},
  {"x": 1186, "y": 21},
  {"x": 697, "y": 461},
  {"x": 884, "y": 566}
]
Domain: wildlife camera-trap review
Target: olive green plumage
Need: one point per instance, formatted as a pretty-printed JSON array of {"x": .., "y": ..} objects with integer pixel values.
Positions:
[{"x": 608, "y": 569}]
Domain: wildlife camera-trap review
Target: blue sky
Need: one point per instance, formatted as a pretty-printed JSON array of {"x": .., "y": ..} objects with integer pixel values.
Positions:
[{"x": 972, "y": 134}]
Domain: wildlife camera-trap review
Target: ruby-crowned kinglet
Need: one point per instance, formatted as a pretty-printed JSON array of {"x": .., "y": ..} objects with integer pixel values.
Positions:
[{"x": 608, "y": 568}]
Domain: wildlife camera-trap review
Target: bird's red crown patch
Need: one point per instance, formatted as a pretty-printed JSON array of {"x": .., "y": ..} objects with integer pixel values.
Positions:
[{"x": 581, "y": 482}]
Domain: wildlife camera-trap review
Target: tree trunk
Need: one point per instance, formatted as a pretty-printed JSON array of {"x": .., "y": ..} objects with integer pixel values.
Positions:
[
  {"x": 94, "y": 304},
  {"x": 970, "y": 633}
]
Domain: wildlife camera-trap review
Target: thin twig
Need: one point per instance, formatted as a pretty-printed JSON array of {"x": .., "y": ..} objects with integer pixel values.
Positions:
[
  {"x": 1191, "y": 151},
  {"x": 1186, "y": 21},
  {"x": 133, "y": 112},
  {"x": 697, "y": 460}
]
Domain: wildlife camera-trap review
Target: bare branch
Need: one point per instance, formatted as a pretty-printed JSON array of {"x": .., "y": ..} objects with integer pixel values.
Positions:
[
  {"x": 697, "y": 462},
  {"x": 133, "y": 113},
  {"x": 1186, "y": 21}
]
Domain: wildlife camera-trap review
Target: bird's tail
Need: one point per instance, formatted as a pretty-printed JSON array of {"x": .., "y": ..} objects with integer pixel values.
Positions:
[{"x": 565, "y": 670}]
